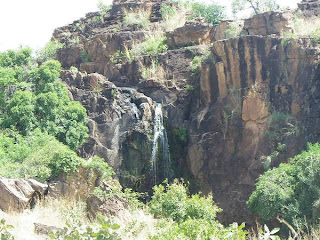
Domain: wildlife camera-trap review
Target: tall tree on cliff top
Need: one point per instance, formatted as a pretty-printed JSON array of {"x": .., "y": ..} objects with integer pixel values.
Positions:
[{"x": 257, "y": 6}]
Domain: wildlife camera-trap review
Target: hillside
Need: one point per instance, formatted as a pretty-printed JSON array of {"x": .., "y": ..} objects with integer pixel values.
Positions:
[{"x": 170, "y": 95}]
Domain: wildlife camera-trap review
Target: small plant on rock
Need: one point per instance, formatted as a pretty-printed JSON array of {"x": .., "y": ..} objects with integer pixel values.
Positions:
[{"x": 5, "y": 231}]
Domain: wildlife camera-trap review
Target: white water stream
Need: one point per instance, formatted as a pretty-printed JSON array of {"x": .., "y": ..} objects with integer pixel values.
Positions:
[{"x": 160, "y": 137}]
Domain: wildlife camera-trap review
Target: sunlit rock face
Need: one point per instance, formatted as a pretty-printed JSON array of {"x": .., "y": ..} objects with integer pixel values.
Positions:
[{"x": 221, "y": 117}]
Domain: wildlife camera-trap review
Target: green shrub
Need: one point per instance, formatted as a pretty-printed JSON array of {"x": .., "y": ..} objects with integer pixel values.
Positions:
[
  {"x": 287, "y": 38},
  {"x": 290, "y": 191},
  {"x": 140, "y": 18},
  {"x": 233, "y": 30},
  {"x": 190, "y": 217},
  {"x": 85, "y": 57},
  {"x": 5, "y": 231},
  {"x": 167, "y": 11},
  {"x": 12, "y": 58},
  {"x": 49, "y": 51},
  {"x": 173, "y": 201},
  {"x": 37, "y": 156},
  {"x": 212, "y": 13},
  {"x": 100, "y": 165},
  {"x": 42, "y": 103},
  {"x": 152, "y": 46},
  {"x": 281, "y": 125},
  {"x": 104, "y": 8},
  {"x": 104, "y": 230}
]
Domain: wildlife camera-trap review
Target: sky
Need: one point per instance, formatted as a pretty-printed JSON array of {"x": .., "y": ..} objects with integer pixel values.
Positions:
[{"x": 32, "y": 22}]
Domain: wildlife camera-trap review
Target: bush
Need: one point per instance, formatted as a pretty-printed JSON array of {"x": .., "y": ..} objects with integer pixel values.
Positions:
[
  {"x": 212, "y": 13},
  {"x": 43, "y": 102},
  {"x": 140, "y": 18},
  {"x": 104, "y": 230},
  {"x": 190, "y": 217},
  {"x": 152, "y": 46},
  {"x": 37, "y": 156},
  {"x": 290, "y": 191},
  {"x": 173, "y": 201},
  {"x": 4, "y": 231},
  {"x": 49, "y": 51},
  {"x": 167, "y": 11}
]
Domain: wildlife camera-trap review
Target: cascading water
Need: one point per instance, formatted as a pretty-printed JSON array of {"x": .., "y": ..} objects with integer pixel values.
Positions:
[{"x": 162, "y": 154}]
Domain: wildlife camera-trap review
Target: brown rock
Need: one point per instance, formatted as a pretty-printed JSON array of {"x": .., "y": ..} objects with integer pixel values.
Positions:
[
  {"x": 269, "y": 23},
  {"x": 194, "y": 32},
  {"x": 18, "y": 194}
]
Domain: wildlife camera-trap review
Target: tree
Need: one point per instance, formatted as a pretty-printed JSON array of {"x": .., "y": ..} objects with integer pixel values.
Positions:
[
  {"x": 290, "y": 192},
  {"x": 258, "y": 6}
]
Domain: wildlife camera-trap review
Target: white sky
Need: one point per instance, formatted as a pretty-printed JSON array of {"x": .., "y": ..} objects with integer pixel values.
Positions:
[{"x": 31, "y": 22}]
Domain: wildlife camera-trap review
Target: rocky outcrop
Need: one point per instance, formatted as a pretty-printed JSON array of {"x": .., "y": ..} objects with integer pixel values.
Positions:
[
  {"x": 247, "y": 82},
  {"x": 269, "y": 23},
  {"x": 18, "y": 194},
  {"x": 77, "y": 185},
  {"x": 218, "y": 116},
  {"x": 196, "y": 31},
  {"x": 310, "y": 8},
  {"x": 120, "y": 125}
]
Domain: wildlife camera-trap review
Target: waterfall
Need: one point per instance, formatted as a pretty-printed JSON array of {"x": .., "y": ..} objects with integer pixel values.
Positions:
[{"x": 162, "y": 154}]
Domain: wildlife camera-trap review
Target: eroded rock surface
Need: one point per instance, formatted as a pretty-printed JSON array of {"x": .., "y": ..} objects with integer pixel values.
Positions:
[
  {"x": 18, "y": 194},
  {"x": 217, "y": 116},
  {"x": 269, "y": 23}
]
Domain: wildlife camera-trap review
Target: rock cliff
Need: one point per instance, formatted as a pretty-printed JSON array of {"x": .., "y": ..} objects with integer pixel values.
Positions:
[{"x": 249, "y": 104}]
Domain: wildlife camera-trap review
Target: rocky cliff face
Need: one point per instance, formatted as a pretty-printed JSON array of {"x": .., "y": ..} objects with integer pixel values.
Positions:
[{"x": 251, "y": 103}]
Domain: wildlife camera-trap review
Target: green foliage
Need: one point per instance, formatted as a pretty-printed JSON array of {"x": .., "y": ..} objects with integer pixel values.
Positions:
[
  {"x": 104, "y": 8},
  {"x": 74, "y": 69},
  {"x": 140, "y": 18},
  {"x": 37, "y": 155},
  {"x": 192, "y": 217},
  {"x": 12, "y": 58},
  {"x": 100, "y": 165},
  {"x": 35, "y": 99},
  {"x": 287, "y": 38},
  {"x": 189, "y": 87},
  {"x": 233, "y": 30},
  {"x": 266, "y": 234},
  {"x": 115, "y": 189},
  {"x": 291, "y": 190},
  {"x": 173, "y": 201},
  {"x": 181, "y": 134},
  {"x": 281, "y": 125},
  {"x": 117, "y": 58},
  {"x": 104, "y": 230},
  {"x": 258, "y": 6},
  {"x": 152, "y": 46},
  {"x": 167, "y": 11},
  {"x": 196, "y": 64},
  {"x": 5, "y": 231},
  {"x": 85, "y": 56},
  {"x": 49, "y": 51},
  {"x": 212, "y": 13}
]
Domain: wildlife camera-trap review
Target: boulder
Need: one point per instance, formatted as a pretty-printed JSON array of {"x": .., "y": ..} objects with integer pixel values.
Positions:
[
  {"x": 269, "y": 23},
  {"x": 19, "y": 194},
  {"x": 194, "y": 32},
  {"x": 76, "y": 185}
]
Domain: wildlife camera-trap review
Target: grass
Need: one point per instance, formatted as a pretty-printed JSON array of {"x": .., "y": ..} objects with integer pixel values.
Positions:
[
  {"x": 154, "y": 44},
  {"x": 140, "y": 18},
  {"x": 303, "y": 27},
  {"x": 155, "y": 70}
]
